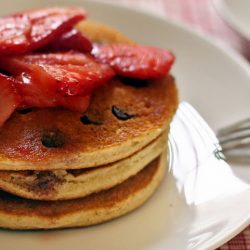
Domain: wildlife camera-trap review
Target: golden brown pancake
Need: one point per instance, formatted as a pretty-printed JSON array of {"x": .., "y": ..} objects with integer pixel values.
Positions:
[
  {"x": 19, "y": 213},
  {"x": 98, "y": 137},
  {"x": 70, "y": 184}
]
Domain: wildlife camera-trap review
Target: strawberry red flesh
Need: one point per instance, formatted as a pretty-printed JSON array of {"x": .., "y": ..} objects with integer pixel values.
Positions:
[
  {"x": 9, "y": 98},
  {"x": 76, "y": 80},
  {"x": 76, "y": 103},
  {"x": 49, "y": 24},
  {"x": 28, "y": 31},
  {"x": 13, "y": 34},
  {"x": 71, "y": 40},
  {"x": 70, "y": 73},
  {"x": 135, "y": 61},
  {"x": 49, "y": 80},
  {"x": 38, "y": 89}
]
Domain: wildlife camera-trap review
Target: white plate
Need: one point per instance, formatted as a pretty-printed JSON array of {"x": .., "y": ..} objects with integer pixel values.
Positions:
[
  {"x": 237, "y": 14},
  {"x": 216, "y": 81}
]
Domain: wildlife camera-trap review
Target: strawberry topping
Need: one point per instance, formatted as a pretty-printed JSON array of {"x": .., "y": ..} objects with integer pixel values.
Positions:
[
  {"x": 68, "y": 74},
  {"x": 71, "y": 40},
  {"x": 135, "y": 61},
  {"x": 67, "y": 70},
  {"x": 9, "y": 99},
  {"x": 48, "y": 80},
  {"x": 25, "y": 32}
]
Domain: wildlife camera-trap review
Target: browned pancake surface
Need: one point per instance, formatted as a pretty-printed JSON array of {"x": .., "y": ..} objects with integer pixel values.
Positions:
[{"x": 151, "y": 106}]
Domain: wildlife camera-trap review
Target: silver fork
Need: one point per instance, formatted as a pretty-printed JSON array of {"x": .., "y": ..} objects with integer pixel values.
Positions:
[
  {"x": 235, "y": 141},
  {"x": 231, "y": 142}
]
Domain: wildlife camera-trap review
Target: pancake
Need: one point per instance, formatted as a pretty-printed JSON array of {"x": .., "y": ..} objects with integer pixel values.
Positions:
[
  {"x": 70, "y": 184},
  {"x": 101, "y": 33},
  {"x": 100, "y": 136},
  {"x": 19, "y": 213}
]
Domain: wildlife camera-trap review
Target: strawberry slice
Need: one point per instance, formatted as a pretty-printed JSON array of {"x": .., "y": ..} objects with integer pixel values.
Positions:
[
  {"x": 71, "y": 40},
  {"x": 13, "y": 34},
  {"x": 38, "y": 89},
  {"x": 135, "y": 61},
  {"x": 70, "y": 73},
  {"x": 76, "y": 103},
  {"x": 57, "y": 79},
  {"x": 9, "y": 98},
  {"x": 28, "y": 31},
  {"x": 48, "y": 24}
]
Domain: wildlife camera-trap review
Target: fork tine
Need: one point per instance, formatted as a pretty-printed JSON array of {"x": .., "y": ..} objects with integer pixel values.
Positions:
[
  {"x": 234, "y": 136},
  {"x": 238, "y": 126},
  {"x": 235, "y": 141},
  {"x": 236, "y": 144}
]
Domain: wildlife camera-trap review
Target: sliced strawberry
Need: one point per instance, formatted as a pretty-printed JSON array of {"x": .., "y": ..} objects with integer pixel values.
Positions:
[
  {"x": 59, "y": 79},
  {"x": 71, "y": 40},
  {"x": 76, "y": 103},
  {"x": 135, "y": 61},
  {"x": 70, "y": 73},
  {"x": 24, "y": 32},
  {"x": 49, "y": 24},
  {"x": 63, "y": 58},
  {"x": 75, "y": 80},
  {"x": 9, "y": 98},
  {"x": 39, "y": 89},
  {"x": 13, "y": 34},
  {"x": 36, "y": 89}
]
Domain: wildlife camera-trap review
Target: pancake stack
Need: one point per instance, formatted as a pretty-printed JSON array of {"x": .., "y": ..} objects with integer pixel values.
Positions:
[{"x": 59, "y": 169}]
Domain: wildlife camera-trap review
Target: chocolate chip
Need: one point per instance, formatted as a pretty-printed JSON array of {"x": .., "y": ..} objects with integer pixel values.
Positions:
[
  {"x": 45, "y": 180},
  {"x": 136, "y": 83},
  {"x": 24, "y": 111},
  {"x": 53, "y": 138},
  {"x": 45, "y": 183},
  {"x": 87, "y": 121},
  {"x": 120, "y": 114}
]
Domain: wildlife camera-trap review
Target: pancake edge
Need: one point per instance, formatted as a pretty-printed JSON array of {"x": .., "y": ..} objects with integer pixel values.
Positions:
[
  {"x": 104, "y": 178},
  {"x": 88, "y": 217}
]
